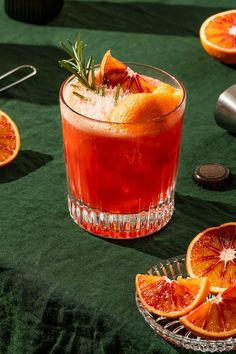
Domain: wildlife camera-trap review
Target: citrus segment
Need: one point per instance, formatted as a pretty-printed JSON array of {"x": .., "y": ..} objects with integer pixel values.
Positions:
[
  {"x": 212, "y": 253},
  {"x": 9, "y": 139},
  {"x": 214, "y": 319},
  {"x": 113, "y": 72},
  {"x": 146, "y": 106},
  {"x": 111, "y": 68},
  {"x": 171, "y": 298},
  {"x": 192, "y": 284},
  {"x": 218, "y": 36}
]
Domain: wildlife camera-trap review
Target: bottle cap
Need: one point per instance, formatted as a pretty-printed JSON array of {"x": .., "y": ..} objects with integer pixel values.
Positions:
[{"x": 212, "y": 176}]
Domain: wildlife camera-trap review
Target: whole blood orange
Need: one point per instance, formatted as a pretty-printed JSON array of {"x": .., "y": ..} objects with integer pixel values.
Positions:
[
  {"x": 171, "y": 298},
  {"x": 113, "y": 72},
  {"x": 214, "y": 319},
  {"x": 218, "y": 36},
  {"x": 212, "y": 253},
  {"x": 9, "y": 139}
]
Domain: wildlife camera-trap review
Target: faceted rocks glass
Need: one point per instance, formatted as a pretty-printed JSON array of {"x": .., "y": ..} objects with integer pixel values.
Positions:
[{"x": 121, "y": 177}]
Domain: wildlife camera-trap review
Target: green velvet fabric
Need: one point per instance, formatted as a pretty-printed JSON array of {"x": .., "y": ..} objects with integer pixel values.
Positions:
[{"x": 63, "y": 290}]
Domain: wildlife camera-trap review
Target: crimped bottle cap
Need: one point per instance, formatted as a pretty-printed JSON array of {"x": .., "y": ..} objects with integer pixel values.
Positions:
[{"x": 213, "y": 176}]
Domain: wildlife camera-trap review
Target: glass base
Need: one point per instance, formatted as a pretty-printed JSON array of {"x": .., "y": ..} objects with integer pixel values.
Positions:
[{"x": 121, "y": 226}]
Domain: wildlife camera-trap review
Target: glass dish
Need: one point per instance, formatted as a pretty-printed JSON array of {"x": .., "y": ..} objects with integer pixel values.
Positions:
[{"x": 171, "y": 329}]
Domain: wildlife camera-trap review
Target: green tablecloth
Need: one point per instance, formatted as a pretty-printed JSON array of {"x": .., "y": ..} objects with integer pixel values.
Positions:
[{"x": 63, "y": 290}]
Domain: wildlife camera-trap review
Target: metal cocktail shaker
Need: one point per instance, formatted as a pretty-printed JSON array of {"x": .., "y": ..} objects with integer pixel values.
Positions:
[{"x": 225, "y": 110}]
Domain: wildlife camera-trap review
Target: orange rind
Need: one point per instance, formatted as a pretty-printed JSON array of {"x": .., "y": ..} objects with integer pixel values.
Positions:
[
  {"x": 113, "y": 72},
  {"x": 218, "y": 36},
  {"x": 171, "y": 298},
  {"x": 214, "y": 319},
  {"x": 9, "y": 139},
  {"x": 141, "y": 107},
  {"x": 212, "y": 253}
]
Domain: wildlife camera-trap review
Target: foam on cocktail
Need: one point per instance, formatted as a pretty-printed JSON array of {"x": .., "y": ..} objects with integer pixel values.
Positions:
[
  {"x": 94, "y": 106},
  {"x": 129, "y": 108}
]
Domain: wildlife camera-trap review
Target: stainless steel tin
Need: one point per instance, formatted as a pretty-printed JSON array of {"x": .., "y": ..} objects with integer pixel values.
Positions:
[{"x": 225, "y": 110}]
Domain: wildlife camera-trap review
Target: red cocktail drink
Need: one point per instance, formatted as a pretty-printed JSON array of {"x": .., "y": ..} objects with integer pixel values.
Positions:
[{"x": 121, "y": 175}]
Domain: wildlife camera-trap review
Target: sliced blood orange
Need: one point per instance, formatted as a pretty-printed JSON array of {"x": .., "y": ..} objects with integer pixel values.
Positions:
[
  {"x": 171, "y": 298},
  {"x": 9, "y": 139},
  {"x": 212, "y": 253},
  {"x": 113, "y": 72},
  {"x": 216, "y": 318},
  {"x": 146, "y": 106},
  {"x": 218, "y": 36}
]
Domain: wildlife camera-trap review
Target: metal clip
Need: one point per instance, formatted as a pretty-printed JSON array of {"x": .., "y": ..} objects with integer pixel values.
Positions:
[{"x": 32, "y": 73}]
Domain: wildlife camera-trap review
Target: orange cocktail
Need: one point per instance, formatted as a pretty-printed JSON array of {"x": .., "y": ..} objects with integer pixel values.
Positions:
[
  {"x": 122, "y": 127},
  {"x": 121, "y": 174}
]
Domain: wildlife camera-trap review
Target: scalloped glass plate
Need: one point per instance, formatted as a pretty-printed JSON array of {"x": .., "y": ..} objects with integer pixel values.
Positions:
[{"x": 171, "y": 329}]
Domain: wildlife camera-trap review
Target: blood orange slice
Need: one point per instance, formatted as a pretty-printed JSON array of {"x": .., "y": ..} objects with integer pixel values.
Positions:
[
  {"x": 171, "y": 298},
  {"x": 216, "y": 318},
  {"x": 212, "y": 253},
  {"x": 9, "y": 139},
  {"x": 218, "y": 36},
  {"x": 113, "y": 72}
]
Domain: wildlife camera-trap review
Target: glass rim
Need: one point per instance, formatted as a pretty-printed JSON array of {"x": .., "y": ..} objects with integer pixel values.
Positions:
[{"x": 160, "y": 118}]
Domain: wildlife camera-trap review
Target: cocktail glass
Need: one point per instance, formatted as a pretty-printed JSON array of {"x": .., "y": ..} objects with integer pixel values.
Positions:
[{"x": 121, "y": 176}]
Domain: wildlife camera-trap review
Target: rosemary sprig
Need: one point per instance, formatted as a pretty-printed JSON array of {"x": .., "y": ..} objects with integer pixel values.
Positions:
[
  {"x": 79, "y": 95},
  {"x": 83, "y": 69},
  {"x": 76, "y": 93},
  {"x": 77, "y": 64},
  {"x": 88, "y": 67},
  {"x": 93, "y": 74},
  {"x": 117, "y": 93},
  {"x": 103, "y": 90}
]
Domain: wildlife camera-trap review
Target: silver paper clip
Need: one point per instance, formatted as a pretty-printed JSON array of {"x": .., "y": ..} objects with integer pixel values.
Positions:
[{"x": 32, "y": 73}]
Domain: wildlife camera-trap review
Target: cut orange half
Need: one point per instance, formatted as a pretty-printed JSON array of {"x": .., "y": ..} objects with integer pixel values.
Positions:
[
  {"x": 212, "y": 253},
  {"x": 113, "y": 72},
  {"x": 9, "y": 139},
  {"x": 171, "y": 298},
  {"x": 216, "y": 318},
  {"x": 218, "y": 36}
]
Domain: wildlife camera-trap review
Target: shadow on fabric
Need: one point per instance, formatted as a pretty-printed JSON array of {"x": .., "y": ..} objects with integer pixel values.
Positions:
[
  {"x": 27, "y": 161},
  {"x": 43, "y": 88},
  {"x": 198, "y": 216},
  {"x": 45, "y": 323},
  {"x": 232, "y": 185},
  {"x": 137, "y": 17},
  {"x": 232, "y": 66}
]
